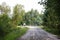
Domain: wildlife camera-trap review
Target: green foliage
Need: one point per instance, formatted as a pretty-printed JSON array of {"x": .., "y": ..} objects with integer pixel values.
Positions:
[
  {"x": 8, "y": 25},
  {"x": 15, "y": 34},
  {"x": 18, "y": 13},
  {"x": 51, "y": 18},
  {"x": 4, "y": 24},
  {"x": 53, "y": 31},
  {"x": 32, "y": 18},
  {"x": 4, "y": 8},
  {"x": 4, "y": 20}
]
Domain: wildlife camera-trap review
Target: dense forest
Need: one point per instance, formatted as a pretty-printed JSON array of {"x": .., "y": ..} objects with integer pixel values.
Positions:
[{"x": 51, "y": 16}]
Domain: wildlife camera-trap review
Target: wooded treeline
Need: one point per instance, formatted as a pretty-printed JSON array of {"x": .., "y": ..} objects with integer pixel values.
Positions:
[{"x": 51, "y": 17}]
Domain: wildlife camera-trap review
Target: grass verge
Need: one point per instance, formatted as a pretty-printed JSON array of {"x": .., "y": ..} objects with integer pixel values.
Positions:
[{"x": 15, "y": 34}]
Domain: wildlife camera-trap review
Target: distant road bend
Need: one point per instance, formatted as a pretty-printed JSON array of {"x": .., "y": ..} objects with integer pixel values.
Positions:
[{"x": 35, "y": 33}]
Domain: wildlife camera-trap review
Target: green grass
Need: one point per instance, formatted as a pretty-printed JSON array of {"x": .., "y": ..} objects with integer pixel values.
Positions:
[
  {"x": 53, "y": 31},
  {"x": 41, "y": 26},
  {"x": 15, "y": 34}
]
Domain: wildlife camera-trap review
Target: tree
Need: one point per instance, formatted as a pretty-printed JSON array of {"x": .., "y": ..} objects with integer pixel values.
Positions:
[
  {"x": 5, "y": 21},
  {"x": 32, "y": 18},
  {"x": 4, "y": 24},
  {"x": 51, "y": 15},
  {"x": 18, "y": 13},
  {"x": 4, "y": 8}
]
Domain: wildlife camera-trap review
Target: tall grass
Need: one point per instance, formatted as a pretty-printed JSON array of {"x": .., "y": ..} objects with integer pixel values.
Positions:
[{"x": 15, "y": 34}]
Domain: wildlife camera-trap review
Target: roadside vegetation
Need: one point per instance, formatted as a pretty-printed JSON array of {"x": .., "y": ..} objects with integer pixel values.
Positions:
[
  {"x": 16, "y": 34},
  {"x": 9, "y": 23},
  {"x": 51, "y": 16}
]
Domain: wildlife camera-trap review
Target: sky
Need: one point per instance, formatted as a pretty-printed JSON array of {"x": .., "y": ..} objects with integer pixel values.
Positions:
[{"x": 28, "y": 4}]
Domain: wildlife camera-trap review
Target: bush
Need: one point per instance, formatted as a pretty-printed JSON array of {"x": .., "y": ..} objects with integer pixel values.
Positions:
[
  {"x": 5, "y": 25},
  {"x": 15, "y": 34},
  {"x": 53, "y": 31}
]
